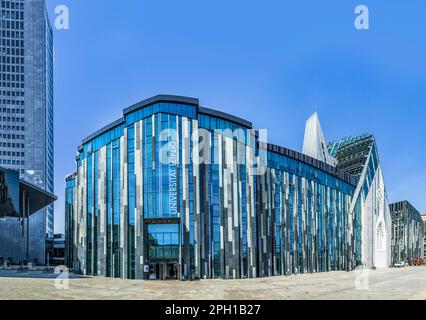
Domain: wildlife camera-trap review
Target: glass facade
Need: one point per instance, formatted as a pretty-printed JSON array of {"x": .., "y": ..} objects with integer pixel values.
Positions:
[
  {"x": 69, "y": 220},
  {"x": 174, "y": 190},
  {"x": 309, "y": 212},
  {"x": 163, "y": 242},
  {"x": 19, "y": 201}
]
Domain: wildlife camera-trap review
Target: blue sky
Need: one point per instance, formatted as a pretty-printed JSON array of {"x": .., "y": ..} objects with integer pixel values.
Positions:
[{"x": 271, "y": 62}]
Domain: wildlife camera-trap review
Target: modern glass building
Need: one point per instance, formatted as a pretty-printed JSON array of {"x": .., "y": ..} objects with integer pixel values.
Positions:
[
  {"x": 359, "y": 157},
  {"x": 176, "y": 190},
  {"x": 19, "y": 200},
  {"x": 26, "y": 105},
  {"x": 407, "y": 232}
]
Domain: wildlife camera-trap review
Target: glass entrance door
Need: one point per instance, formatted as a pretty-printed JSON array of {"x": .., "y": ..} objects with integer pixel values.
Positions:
[
  {"x": 163, "y": 271},
  {"x": 172, "y": 271},
  {"x": 163, "y": 251}
]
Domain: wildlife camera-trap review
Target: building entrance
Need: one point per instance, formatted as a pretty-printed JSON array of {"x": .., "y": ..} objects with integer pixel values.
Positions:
[
  {"x": 163, "y": 271},
  {"x": 163, "y": 251}
]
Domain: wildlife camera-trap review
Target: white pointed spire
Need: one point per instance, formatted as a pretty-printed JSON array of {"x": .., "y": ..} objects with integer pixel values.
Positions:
[{"x": 314, "y": 144}]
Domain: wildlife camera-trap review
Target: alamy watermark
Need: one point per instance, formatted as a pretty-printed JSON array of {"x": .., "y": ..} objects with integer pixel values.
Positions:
[
  {"x": 362, "y": 279},
  {"x": 254, "y": 157},
  {"x": 362, "y": 20},
  {"x": 62, "y": 280},
  {"x": 62, "y": 20}
]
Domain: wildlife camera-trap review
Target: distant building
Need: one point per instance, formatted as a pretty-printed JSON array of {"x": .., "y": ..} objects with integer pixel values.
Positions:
[
  {"x": 407, "y": 232},
  {"x": 19, "y": 200},
  {"x": 70, "y": 248},
  {"x": 424, "y": 223},
  {"x": 56, "y": 250}
]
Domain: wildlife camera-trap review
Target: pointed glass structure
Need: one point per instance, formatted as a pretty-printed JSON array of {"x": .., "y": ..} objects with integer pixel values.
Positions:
[
  {"x": 358, "y": 156},
  {"x": 314, "y": 144}
]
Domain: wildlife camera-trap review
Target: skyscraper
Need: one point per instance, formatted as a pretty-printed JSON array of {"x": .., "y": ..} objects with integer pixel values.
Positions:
[{"x": 26, "y": 104}]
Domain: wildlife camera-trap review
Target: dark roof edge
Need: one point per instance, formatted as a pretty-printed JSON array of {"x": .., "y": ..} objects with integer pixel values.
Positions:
[
  {"x": 145, "y": 103},
  {"x": 225, "y": 116},
  {"x": 162, "y": 98},
  {"x": 34, "y": 187},
  {"x": 171, "y": 99},
  {"x": 71, "y": 176},
  {"x": 404, "y": 202},
  {"x": 360, "y": 137},
  {"x": 315, "y": 163},
  {"x": 104, "y": 130}
]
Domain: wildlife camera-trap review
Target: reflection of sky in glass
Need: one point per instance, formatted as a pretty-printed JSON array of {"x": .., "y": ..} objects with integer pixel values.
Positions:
[{"x": 164, "y": 234}]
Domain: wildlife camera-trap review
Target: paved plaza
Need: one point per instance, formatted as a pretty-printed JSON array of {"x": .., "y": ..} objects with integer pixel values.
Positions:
[{"x": 407, "y": 283}]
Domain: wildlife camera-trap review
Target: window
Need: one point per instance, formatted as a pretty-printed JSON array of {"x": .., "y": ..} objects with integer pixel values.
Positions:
[{"x": 380, "y": 237}]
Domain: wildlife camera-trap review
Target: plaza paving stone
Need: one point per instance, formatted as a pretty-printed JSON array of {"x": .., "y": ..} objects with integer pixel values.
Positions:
[{"x": 407, "y": 283}]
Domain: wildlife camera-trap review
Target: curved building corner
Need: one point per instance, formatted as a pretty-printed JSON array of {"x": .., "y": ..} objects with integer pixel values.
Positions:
[{"x": 173, "y": 190}]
